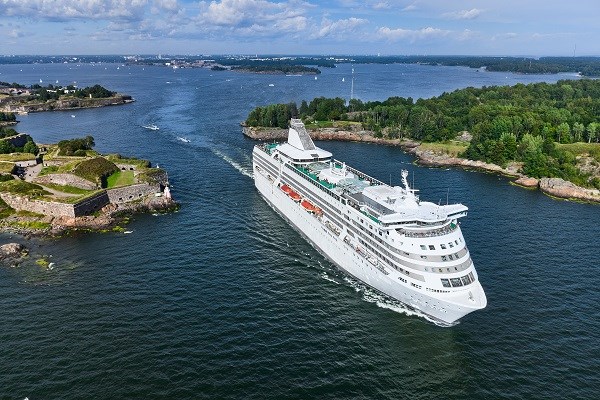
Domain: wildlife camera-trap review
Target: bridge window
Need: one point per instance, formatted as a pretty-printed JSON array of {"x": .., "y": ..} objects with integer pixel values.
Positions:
[{"x": 456, "y": 282}]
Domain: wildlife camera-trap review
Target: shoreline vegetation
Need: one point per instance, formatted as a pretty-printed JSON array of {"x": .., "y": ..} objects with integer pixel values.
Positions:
[
  {"x": 436, "y": 155},
  {"x": 545, "y": 135}
]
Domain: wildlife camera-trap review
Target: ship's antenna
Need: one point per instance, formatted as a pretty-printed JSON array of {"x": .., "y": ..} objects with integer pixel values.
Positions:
[{"x": 352, "y": 86}]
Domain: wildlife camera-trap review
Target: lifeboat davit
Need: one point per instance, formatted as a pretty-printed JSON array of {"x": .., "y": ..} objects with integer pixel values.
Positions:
[{"x": 308, "y": 206}]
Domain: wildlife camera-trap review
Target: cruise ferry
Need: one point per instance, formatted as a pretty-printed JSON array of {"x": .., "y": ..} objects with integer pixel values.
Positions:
[{"x": 385, "y": 236}]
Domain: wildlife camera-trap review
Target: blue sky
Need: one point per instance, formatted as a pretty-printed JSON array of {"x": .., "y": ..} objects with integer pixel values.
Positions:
[{"x": 492, "y": 27}]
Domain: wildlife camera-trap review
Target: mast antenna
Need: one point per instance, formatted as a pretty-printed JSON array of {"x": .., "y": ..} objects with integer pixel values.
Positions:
[{"x": 352, "y": 86}]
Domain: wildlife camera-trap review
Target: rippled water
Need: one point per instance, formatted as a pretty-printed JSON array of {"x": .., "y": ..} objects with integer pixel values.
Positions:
[{"x": 224, "y": 300}]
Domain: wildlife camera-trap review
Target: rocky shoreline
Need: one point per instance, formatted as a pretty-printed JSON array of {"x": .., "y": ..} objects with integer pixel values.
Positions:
[
  {"x": 110, "y": 218},
  {"x": 19, "y": 106},
  {"x": 554, "y": 187}
]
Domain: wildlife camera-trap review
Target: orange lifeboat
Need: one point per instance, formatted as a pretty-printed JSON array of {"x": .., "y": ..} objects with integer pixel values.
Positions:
[
  {"x": 294, "y": 196},
  {"x": 286, "y": 189},
  {"x": 308, "y": 206}
]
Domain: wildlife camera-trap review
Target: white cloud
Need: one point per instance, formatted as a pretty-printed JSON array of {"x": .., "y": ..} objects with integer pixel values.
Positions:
[
  {"x": 463, "y": 14},
  {"x": 411, "y": 35},
  {"x": 15, "y": 34},
  {"x": 410, "y": 7},
  {"x": 248, "y": 18},
  {"x": 74, "y": 9},
  {"x": 382, "y": 5},
  {"x": 504, "y": 36},
  {"x": 339, "y": 27}
]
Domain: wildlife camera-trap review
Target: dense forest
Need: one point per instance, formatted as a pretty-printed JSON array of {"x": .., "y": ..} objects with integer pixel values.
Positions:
[{"x": 508, "y": 123}]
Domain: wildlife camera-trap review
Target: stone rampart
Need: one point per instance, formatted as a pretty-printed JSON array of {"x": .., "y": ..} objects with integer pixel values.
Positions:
[
  {"x": 51, "y": 208},
  {"x": 131, "y": 193},
  {"x": 90, "y": 205},
  {"x": 66, "y": 180}
]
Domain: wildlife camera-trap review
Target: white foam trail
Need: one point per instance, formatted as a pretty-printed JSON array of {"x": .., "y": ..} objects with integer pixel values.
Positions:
[
  {"x": 383, "y": 301},
  {"x": 327, "y": 278},
  {"x": 233, "y": 163}
]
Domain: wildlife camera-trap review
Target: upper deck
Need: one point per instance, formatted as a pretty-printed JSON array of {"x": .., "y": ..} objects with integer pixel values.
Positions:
[{"x": 388, "y": 206}]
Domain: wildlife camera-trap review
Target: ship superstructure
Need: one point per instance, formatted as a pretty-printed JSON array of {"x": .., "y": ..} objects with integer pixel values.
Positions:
[{"x": 383, "y": 235}]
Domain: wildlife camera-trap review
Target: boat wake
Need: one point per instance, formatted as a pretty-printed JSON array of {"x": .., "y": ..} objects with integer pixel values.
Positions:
[
  {"x": 182, "y": 139},
  {"x": 240, "y": 168},
  {"x": 372, "y": 296},
  {"x": 327, "y": 278}
]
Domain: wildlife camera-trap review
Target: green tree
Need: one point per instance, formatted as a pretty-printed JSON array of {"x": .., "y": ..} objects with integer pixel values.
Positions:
[
  {"x": 564, "y": 132},
  {"x": 578, "y": 130},
  {"x": 6, "y": 147},
  {"x": 592, "y": 131},
  {"x": 30, "y": 147}
]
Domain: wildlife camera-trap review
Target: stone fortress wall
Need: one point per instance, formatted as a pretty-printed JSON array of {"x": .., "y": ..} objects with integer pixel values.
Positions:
[
  {"x": 51, "y": 208},
  {"x": 87, "y": 206},
  {"x": 66, "y": 180}
]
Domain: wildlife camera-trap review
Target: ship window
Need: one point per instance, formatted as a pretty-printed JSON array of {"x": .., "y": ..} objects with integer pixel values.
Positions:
[
  {"x": 443, "y": 246},
  {"x": 456, "y": 241},
  {"x": 423, "y": 247},
  {"x": 456, "y": 282},
  {"x": 431, "y": 247},
  {"x": 444, "y": 258},
  {"x": 450, "y": 244},
  {"x": 465, "y": 280},
  {"x": 424, "y": 257},
  {"x": 450, "y": 256},
  {"x": 445, "y": 283}
]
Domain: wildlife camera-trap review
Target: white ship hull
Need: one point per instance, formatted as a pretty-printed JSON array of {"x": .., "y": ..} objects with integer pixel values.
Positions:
[{"x": 447, "y": 307}]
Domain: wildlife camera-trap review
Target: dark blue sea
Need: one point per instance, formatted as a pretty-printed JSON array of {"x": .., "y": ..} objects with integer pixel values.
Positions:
[{"x": 224, "y": 300}]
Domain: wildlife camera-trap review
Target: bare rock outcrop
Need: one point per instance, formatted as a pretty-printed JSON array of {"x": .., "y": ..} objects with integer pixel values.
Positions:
[
  {"x": 12, "y": 251},
  {"x": 527, "y": 182},
  {"x": 560, "y": 188}
]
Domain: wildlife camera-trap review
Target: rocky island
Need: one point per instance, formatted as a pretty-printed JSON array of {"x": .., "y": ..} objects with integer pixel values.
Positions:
[
  {"x": 20, "y": 99},
  {"x": 68, "y": 186}
]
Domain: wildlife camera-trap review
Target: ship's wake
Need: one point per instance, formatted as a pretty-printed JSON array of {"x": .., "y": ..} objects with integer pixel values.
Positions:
[
  {"x": 370, "y": 295},
  {"x": 239, "y": 167}
]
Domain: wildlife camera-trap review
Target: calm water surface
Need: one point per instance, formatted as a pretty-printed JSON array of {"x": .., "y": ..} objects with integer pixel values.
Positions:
[{"x": 224, "y": 300}]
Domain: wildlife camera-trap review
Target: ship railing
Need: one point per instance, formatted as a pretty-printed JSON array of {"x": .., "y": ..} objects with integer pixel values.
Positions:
[
  {"x": 363, "y": 176},
  {"x": 430, "y": 233},
  {"x": 315, "y": 182}
]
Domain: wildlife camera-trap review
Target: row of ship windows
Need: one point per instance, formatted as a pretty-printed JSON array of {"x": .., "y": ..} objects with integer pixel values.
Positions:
[
  {"x": 446, "y": 258},
  {"x": 457, "y": 282},
  {"x": 442, "y": 245},
  {"x": 419, "y": 286}
]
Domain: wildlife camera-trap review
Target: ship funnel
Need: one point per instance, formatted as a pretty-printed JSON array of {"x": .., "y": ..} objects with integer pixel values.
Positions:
[{"x": 299, "y": 137}]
